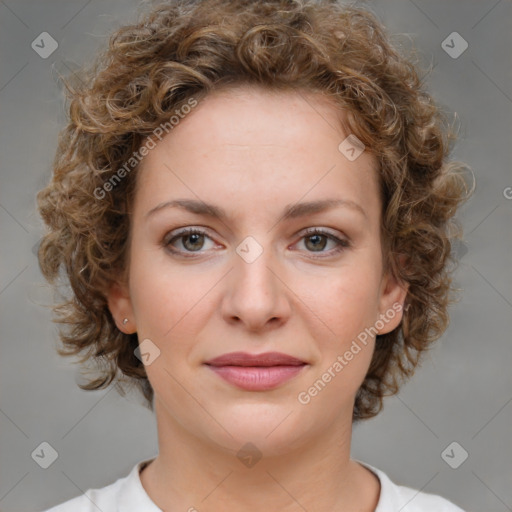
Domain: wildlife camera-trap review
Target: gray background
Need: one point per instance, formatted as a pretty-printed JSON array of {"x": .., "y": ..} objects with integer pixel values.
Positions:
[{"x": 463, "y": 391}]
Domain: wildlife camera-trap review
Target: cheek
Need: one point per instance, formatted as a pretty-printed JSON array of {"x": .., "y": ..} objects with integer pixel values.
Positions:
[
  {"x": 346, "y": 356},
  {"x": 348, "y": 303},
  {"x": 163, "y": 296},
  {"x": 349, "y": 307}
]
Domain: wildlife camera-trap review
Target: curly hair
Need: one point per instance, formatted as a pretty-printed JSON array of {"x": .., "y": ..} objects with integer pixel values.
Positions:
[{"x": 188, "y": 48}]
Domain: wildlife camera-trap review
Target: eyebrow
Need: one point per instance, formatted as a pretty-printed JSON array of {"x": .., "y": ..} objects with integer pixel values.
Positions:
[{"x": 291, "y": 211}]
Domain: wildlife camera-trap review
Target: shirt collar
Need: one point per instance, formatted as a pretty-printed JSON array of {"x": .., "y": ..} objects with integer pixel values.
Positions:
[
  {"x": 132, "y": 495},
  {"x": 389, "y": 500}
]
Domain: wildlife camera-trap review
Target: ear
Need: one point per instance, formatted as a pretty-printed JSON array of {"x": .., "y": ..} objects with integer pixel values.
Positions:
[
  {"x": 391, "y": 302},
  {"x": 120, "y": 305}
]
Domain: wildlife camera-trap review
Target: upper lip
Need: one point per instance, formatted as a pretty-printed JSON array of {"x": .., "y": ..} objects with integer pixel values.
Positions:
[{"x": 245, "y": 359}]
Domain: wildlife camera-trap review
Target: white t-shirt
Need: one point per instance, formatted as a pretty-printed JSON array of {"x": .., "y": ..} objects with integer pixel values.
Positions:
[{"x": 128, "y": 495}]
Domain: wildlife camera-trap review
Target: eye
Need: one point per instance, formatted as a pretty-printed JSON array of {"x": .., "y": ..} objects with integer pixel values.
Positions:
[
  {"x": 316, "y": 240},
  {"x": 190, "y": 239},
  {"x": 193, "y": 240}
]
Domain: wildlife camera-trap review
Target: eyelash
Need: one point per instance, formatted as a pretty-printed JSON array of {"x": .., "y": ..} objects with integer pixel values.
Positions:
[{"x": 342, "y": 244}]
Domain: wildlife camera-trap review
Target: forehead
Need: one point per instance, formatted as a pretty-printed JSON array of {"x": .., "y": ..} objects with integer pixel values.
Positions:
[{"x": 249, "y": 144}]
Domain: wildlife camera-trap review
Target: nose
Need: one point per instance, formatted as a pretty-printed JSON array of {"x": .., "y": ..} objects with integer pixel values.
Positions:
[{"x": 255, "y": 295}]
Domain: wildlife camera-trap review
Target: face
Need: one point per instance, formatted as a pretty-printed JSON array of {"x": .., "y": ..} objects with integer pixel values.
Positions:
[{"x": 252, "y": 232}]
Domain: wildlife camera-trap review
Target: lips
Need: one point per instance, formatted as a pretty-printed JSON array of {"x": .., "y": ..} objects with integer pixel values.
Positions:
[
  {"x": 256, "y": 372},
  {"x": 265, "y": 359}
]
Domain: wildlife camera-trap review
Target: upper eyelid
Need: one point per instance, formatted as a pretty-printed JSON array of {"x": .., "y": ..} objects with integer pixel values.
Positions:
[
  {"x": 176, "y": 233},
  {"x": 205, "y": 231}
]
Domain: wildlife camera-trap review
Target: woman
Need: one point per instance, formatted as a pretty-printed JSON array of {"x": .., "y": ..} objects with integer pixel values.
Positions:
[{"x": 253, "y": 204}]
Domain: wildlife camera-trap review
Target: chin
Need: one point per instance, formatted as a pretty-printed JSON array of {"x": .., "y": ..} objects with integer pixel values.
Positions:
[{"x": 270, "y": 429}]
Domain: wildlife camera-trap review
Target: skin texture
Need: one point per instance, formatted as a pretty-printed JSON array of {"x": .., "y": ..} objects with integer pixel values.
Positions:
[{"x": 252, "y": 153}]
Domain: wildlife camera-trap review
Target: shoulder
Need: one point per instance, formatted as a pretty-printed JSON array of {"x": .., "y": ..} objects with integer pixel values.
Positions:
[
  {"x": 418, "y": 501},
  {"x": 394, "y": 497},
  {"x": 93, "y": 499},
  {"x": 125, "y": 494}
]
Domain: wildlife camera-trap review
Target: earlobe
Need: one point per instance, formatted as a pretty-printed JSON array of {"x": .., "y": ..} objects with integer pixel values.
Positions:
[{"x": 120, "y": 306}]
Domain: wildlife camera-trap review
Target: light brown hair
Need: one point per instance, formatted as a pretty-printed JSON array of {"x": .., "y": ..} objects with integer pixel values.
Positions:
[{"x": 186, "y": 49}]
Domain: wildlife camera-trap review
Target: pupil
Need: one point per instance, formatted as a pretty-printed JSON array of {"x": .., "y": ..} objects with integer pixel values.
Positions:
[
  {"x": 196, "y": 243},
  {"x": 318, "y": 238}
]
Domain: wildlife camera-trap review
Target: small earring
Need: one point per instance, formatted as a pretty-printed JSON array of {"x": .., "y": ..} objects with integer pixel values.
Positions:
[{"x": 125, "y": 321}]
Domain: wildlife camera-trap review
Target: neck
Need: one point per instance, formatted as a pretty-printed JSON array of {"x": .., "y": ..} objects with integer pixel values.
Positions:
[{"x": 191, "y": 474}]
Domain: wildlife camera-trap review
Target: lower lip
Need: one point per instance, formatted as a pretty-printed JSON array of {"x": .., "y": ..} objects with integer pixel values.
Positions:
[{"x": 257, "y": 378}]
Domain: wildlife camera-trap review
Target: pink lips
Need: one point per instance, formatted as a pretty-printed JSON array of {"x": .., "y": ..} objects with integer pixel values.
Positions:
[{"x": 259, "y": 372}]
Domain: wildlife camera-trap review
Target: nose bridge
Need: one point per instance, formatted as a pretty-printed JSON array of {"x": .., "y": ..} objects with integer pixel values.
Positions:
[
  {"x": 253, "y": 264},
  {"x": 256, "y": 294}
]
